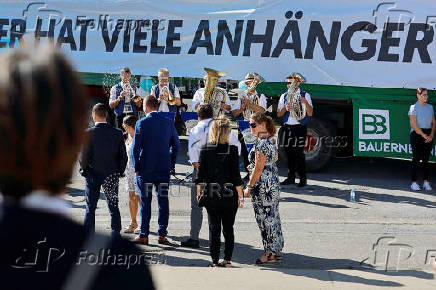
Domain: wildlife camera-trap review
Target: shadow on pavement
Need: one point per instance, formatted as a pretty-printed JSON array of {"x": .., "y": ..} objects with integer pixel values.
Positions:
[
  {"x": 318, "y": 190},
  {"x": 294, "y": 264}
]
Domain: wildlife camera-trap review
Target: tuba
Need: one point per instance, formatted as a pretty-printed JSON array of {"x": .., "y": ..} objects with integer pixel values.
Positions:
[
  {"x": 213, "y": 95},
  {"x": 168, "y": 97},
  {"x": 298, "y": 109},
  {"x": 254, "y": 98}
]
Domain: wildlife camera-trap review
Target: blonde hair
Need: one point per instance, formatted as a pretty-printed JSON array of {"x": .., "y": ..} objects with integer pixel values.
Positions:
[
  {"x": 163, "y": 71},
  {"x": 219, "y": 132}
]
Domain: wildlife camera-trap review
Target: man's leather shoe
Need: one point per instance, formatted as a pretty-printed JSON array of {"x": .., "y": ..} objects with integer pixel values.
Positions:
[
  {"x": 141, "y": 241},
  {"x": 287, "y": 181},
  {"x": 302, "y": 183},
  {"x": 190, "y": 243},
  {"x": 163, "y": 241}
]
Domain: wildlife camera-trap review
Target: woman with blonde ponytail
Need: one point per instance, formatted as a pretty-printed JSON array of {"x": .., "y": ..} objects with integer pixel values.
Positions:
[{"x": 219, "y": 188}]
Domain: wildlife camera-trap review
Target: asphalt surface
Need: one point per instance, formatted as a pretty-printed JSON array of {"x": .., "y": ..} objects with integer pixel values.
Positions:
[{"x": 389, "y": 227}]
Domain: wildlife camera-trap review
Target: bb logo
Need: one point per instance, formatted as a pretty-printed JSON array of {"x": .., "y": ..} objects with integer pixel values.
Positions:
[{"x": 374, "y": 124}]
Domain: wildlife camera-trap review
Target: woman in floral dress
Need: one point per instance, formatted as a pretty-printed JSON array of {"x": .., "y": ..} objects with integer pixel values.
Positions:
[{"x": 264, "y": 187}]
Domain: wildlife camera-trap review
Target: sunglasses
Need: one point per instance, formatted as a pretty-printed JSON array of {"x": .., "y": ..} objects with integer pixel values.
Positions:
[{"x": 252, "y": 125}]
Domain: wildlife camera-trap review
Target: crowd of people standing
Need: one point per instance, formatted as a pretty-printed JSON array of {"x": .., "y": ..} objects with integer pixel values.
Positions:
[{"x": 148, "y": 157}]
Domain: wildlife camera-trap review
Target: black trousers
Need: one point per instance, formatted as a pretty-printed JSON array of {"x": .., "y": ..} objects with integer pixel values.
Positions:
[
  {"x": 291, "y": 140},
  {"x": 244, "y": 151},
  {"x": 420, "y": 151},
  {"x": 216, "y": 217}
]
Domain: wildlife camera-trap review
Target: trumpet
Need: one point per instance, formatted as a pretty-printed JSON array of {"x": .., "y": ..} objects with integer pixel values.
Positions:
[{"x": 167, "y": 96}]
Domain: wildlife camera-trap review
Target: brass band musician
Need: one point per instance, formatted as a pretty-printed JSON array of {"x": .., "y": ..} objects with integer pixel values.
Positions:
[
  {"x": 166, "y": 93},
  {"x": 296, "y": 107},
  {"x": 124, "y": 98},
  {"x": 215, "y": 96},
  {"x": 249, "y": 102}
]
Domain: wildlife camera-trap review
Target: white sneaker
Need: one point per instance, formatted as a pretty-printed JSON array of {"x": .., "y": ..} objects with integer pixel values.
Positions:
[
  {"x": 415, "y": 186},
  {"x": 427, "y": 186}
]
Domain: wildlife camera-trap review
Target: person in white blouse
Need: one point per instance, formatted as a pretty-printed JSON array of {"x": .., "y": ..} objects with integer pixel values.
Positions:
[
  {"x": 247, "y": 102},
  {"x": 199, "y": 98},
  {"x": 160, "y": 93},
  {"x": 129, "y": 123},
  {"x": 292, "y": 135},
  {"x": 197, "y": 138}
]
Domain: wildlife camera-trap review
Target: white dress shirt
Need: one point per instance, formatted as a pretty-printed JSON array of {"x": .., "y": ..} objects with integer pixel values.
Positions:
[
  {"x": 262, "y": 102},
  {"x": 163, "y": 107},
  {"x": 199, "y": 98},
  {"x": 199, "y": 137},
  {"x": 281, "y": 105}
]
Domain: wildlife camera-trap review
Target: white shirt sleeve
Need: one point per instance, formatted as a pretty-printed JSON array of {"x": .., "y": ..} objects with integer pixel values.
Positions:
[
  {"x": 176, "y": 92},
  {"x": 113, "y": 94},
  {"x": 263, "y": 102},
  {"x": 281, "y": 104},
  {"x": 236, "y": 104},
  {"x": 193, "y": 146},
  {"x": 228, "y": 102},
  {"x": 196, "y": 99},
  {"x": 309, "y": 99},
  {"x": 233, "y": 140},
  {"x": 152, "y": 91},
  {"x": 412, "y": 111}
]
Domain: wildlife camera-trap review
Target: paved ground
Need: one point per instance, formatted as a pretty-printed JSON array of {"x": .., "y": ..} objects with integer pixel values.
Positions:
[{"x": 329, "y": 242}]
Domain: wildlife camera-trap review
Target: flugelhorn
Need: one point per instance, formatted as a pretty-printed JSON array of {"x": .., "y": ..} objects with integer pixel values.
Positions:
[
  {"x": 168, "y": 96},
  {"x": 131, "y": 95}
]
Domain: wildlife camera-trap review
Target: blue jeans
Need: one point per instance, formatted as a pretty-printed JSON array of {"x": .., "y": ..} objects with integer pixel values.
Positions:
[
  {"x": 145, "y": 192},
  {"x": 92, "y": 194}
]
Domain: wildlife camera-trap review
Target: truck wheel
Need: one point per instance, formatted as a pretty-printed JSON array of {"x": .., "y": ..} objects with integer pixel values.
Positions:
[{"x": 319, "y": 146}]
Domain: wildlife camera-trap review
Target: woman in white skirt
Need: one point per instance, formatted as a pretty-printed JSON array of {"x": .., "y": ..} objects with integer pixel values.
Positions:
[{"x": 129, "y": 123}]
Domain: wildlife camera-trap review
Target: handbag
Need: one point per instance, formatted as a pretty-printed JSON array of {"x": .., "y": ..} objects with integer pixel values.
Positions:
[{"x": 202, "y": 202}]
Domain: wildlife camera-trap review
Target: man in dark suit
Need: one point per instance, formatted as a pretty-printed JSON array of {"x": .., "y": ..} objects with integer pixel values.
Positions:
[
  {"x": 102, "y": 163},
  {"x": 154, "y": 148}
]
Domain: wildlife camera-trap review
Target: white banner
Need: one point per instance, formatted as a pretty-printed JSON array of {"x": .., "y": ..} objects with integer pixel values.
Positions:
[{"x": 334, "y": 42}]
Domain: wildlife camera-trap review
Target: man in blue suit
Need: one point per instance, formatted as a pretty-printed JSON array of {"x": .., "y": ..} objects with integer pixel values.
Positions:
[
  {"x": 102, "y": 162},
  {"x": 154, "y": 148}
]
